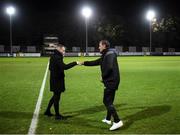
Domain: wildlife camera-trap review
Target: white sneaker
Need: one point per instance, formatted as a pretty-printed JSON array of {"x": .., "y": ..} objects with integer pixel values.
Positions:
[
  {"x": 106, "y": 121},
  {"x": 116, "y": 125}
]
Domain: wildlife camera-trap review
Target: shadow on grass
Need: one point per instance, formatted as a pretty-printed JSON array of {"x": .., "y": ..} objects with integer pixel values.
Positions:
[
  {"x": 80, "y": 118},
  {"x": 16, "y": 115},
  {"x": 147, "y": 112},
  {"x": 83, "y": 121},
  {"x": 90, "y": 110}
]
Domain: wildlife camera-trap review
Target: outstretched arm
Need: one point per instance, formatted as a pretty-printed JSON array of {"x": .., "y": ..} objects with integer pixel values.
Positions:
[
  {"x": 92, "y": 63},
  {"x": 63, "y": 66},
  {"x": 69, "y": 65}
]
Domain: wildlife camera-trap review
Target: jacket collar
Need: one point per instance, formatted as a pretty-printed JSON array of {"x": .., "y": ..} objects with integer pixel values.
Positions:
[
  {"x": 104, "y": 51},
  {"x": 57, "y": 52}
]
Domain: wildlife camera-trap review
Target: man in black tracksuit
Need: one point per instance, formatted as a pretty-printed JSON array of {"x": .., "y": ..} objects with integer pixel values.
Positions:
[
  {"x": 57, "y": 83},
  {"x": 110, "y": 78}
]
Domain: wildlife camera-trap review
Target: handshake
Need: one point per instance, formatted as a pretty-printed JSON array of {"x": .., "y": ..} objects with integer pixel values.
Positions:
[{"x": 80, "y": 63}]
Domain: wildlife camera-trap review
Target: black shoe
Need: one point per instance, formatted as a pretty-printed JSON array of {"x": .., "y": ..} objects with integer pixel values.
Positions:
[
  {"x": 48, "y": 113},
  {"x": 60, "y": 117}
]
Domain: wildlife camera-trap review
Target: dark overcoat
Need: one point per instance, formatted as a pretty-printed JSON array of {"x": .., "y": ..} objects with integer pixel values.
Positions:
[{"x": 57, "y": 67}]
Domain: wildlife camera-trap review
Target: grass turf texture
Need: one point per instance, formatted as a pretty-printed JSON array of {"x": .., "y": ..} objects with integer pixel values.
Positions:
[
  {"x": 147, "y": 99},
  {"x": 20, "y": 82}
]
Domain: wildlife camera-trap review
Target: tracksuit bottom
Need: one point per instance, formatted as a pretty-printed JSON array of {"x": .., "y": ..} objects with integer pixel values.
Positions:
[{"x": 108, "y": 100}]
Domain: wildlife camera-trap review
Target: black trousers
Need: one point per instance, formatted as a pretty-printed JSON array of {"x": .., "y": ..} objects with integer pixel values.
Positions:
[
  {"x": 108, "y": 100},
  {"x": 55, "y": 99}
]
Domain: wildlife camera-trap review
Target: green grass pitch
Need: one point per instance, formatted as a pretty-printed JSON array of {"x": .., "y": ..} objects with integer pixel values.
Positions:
[{"x": 148, "y": 99}]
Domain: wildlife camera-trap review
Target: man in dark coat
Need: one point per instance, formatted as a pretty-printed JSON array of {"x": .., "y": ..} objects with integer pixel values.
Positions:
[
  {"x": 57, "y": 83},
  {"x": 110, "y": 78}
]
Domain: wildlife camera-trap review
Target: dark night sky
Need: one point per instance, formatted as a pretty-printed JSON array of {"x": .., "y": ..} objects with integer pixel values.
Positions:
[{"x": 37, "y": 16}]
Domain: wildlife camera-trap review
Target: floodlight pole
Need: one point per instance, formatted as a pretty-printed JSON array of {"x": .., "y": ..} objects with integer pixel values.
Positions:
[
  {"x": 10, "y": 11},
  {"x": 150, "y": 35},
  {"x": 86, "y": 12},
  {"x": 86, "y": 23},
  {"x": 150, "y": 15},
  {"x": 10, "y": 20}
]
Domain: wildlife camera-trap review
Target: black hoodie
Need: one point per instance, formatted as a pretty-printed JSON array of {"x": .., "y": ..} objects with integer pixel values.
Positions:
[{"x": 109, "y": 68}]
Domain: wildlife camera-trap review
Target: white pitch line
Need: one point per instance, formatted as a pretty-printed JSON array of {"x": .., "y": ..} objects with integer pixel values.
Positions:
[{"x": 34, "y": 120}]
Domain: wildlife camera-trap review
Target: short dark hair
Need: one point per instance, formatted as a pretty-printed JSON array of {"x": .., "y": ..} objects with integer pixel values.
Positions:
[{"x": 105, "y": 42}]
